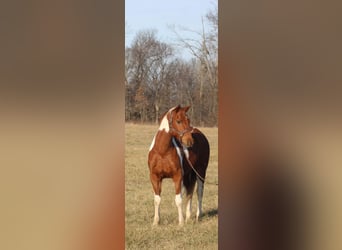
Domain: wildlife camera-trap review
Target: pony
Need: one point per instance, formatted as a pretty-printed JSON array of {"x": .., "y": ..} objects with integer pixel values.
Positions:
[{"x": 181, "y": 152}]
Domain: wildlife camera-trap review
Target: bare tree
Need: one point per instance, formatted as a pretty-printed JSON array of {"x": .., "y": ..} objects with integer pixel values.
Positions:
[
  {"x": 147, "y": 68},
  {"x": 205, "y": 50},
  {"x": 157, "y": 79}
]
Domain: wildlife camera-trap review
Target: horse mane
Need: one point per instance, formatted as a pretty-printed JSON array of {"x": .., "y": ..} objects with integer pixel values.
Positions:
[{"x": 162, "y": 116}]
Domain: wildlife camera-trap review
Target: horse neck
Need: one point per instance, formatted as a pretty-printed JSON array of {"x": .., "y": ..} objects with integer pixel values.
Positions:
[{"x": 163, "y": 141}]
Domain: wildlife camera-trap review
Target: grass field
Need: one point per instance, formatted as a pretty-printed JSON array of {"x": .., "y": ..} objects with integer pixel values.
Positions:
[{"x": 139, "y": 208}]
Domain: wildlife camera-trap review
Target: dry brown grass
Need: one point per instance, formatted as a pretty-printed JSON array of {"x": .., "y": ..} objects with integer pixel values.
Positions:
[{"x": 139, "y": 209}]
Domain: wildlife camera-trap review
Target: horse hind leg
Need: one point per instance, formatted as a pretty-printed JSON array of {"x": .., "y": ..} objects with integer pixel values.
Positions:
[
  {"x": 189, "y": 187},
  {"x": 200, "y": 187},
  {"x": 178, "y": 201}
]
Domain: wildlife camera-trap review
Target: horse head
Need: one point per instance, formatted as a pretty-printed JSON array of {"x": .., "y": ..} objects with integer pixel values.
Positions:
[{"x": 179, "y": 125}]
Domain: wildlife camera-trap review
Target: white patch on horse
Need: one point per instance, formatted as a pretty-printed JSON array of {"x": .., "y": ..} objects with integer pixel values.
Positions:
[
  {"x": 186, "y": 152},
  {"x": 178, "y": 201},
  {"x": 157, "y": 200},
  {"x": 165, "y": 122},
  {"x": 152, "y": 144},
  {"x": 188, "y": 209},
  {"x": 180, "y": 156}
]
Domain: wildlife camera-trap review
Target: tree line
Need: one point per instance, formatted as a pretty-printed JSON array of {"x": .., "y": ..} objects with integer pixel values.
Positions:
[{"x": 157, "y": 77}]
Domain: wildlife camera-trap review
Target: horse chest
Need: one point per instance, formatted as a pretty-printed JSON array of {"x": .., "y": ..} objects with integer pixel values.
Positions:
[{"x": 165, "y": 166}]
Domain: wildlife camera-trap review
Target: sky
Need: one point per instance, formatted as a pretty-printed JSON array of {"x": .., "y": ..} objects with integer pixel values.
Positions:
[{"x": 158, "y": 14}]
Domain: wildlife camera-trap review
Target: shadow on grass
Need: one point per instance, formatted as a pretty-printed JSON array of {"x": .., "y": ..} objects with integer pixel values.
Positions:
[{"x": 210, "y": 213}]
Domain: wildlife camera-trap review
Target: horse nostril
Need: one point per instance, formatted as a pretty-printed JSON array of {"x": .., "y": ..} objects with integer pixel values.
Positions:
[{"x": 187, "y": 141}]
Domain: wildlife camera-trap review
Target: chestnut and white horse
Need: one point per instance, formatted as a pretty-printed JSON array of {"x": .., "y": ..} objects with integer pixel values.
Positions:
[{"x": 180, "y": 152}]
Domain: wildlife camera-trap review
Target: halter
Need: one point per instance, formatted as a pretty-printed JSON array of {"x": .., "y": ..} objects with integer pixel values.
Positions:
[
  {"x": 180, "y": 133},
  {"x": 186, "y": 157}
]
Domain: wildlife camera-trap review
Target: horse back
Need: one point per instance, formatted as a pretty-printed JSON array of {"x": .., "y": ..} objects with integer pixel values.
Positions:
[{"x": 200, "y": 152}]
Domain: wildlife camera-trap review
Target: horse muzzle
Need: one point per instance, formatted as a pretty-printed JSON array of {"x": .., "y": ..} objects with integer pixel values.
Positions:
[{"x": 187, "y": 140}]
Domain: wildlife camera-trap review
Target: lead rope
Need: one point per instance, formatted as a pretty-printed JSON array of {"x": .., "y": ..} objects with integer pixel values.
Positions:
[
  {"x": 186, "y": 157},
  {"x": 179, "y": 153},
  {"x": 198, "y": 175}
]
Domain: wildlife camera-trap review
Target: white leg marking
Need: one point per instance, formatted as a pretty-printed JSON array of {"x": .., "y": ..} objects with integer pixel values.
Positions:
[
  {"x": 156, "y": 209},
  {"x": 199, "y": 209},
  {"x": 188, "y": 209},
  {"x": 178, "y": 201}
]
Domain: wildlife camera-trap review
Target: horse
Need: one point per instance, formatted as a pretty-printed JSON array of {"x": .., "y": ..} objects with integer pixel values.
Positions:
[{"x": 180, "y": 152}]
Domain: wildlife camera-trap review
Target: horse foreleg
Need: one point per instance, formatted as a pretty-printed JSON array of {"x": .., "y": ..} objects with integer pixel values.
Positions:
[
  {"x": 157, "y": 200},
  {"x": 156, "y": 183},
  {"x": 178, "y": 199},
  {"x": 200, "y": 187}
]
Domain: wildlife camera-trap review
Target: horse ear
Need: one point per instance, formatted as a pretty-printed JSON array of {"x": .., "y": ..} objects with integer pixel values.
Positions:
[
  {"x": 186, "y": 108},
  {"x": 177, "y": 108}
]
